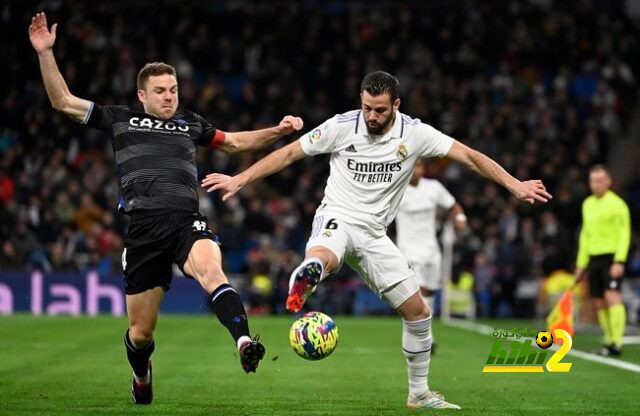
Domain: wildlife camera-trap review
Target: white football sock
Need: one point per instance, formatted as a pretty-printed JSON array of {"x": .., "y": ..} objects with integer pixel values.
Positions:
[
  {"x": 317, "y": 259},
  {"x": 242, "y": 340},
  {"x": 416, "y": 345},
  {"x": 303, "y": 264}
]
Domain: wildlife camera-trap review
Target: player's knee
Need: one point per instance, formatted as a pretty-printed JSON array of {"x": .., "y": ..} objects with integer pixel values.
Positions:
[
  {"x": 425, "y": 311},
  {"x": 414, "y": 309},
  {"x": 418, "y": 314},
  {"x": 140, "y": 335}
]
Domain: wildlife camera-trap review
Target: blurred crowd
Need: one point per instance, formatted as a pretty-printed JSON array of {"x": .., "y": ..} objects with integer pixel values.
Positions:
[{"x": 543, "y": 87}]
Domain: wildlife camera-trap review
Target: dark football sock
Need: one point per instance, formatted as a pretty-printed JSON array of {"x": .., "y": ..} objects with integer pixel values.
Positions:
[
  {"x": 138, "y": 358},
  {"x": 228, "y": 306}
]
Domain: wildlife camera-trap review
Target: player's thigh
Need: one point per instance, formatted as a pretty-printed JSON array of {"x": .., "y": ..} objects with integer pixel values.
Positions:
[
  {"x": 329, "y": 235},
  {"x": 382, "y": 267},
  {"x": 145, "y": 263},
  {"x": 204, "y": 263},
  {"x": 142, "y": 310}
]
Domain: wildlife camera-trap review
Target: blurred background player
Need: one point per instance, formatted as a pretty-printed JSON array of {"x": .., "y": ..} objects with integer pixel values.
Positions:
[
  {"x": 602, "y": 253},
  {"x": 416, "y": 229},
  {"x": 373, "y": 153},
  {"x": 154, "y": 152}
]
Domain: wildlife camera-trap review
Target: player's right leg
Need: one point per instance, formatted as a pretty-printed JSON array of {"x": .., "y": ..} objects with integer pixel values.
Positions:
[
  {"x": 147, "y": 275},
  {"x": 319, "y": 261},
  {"x": 325, "y": 249},
  {"x": 142, "y": 311}
]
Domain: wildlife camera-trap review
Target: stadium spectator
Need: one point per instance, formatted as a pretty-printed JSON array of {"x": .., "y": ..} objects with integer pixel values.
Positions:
[{"x": 503, "y": 79}]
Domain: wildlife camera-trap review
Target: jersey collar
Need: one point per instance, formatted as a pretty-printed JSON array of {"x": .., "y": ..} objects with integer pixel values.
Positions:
[{"x": 396, "y": 132}]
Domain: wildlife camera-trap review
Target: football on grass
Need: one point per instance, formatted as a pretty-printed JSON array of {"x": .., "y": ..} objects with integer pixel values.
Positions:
[{"x": 313, "y": 336}]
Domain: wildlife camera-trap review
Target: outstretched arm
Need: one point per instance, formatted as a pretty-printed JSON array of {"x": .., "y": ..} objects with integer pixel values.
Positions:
[
  {"x": 245, "y": 141},
  {"x": 272, "y": 163},
  {"x": 62, "y": 100},
  {"x": 529, "y": 191}
]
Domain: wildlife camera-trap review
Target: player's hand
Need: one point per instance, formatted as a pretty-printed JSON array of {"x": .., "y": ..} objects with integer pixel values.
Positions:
[
  {"x": 230, "y": 185},
  {"x": 460, "y": 222},
  {"x": 289, "y": 124},
  {"x": 616, "y": 270},
  {"x": 531, "y": 191},
  {"x": 41, "y": 38}
]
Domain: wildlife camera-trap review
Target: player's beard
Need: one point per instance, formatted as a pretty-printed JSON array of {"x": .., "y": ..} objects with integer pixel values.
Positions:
[{"x": 381, "y": 127}]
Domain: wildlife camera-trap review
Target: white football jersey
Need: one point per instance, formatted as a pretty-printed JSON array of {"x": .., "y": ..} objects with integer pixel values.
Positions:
[
  {"x": 416, "y": 220},
  {"x": 369, "y": 173}
]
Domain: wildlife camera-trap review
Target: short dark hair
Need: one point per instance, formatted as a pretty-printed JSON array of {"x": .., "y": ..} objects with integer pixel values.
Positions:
[
  {"x": 599, "y": 167},
  {"x": 153, "y": 69},
  {"x": 380, "y": 82}
]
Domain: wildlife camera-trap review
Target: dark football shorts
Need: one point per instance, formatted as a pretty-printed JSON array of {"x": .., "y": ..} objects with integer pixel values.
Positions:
[
  {"x": 599, "y": 277},
  {"x": 155, "y": 240}
]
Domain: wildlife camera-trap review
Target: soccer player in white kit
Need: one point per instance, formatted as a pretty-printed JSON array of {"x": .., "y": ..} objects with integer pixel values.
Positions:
[
  {"x": 416, "y": 228},
  {"x": 373, "y": 151}
]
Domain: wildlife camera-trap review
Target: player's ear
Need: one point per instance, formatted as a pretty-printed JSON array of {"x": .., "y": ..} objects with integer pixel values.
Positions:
[
  {"x": 396, "y": 104},
  {"x": 142, "y": 96}
]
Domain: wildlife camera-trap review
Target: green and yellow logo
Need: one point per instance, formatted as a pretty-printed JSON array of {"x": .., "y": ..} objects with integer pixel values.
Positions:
[{"x": 522, "y": 357}]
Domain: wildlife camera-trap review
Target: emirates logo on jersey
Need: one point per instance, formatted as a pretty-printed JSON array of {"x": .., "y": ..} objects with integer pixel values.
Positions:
[{"x": 402, "y": 152}]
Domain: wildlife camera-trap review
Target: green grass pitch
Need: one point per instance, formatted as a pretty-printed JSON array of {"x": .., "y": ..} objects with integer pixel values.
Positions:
[{"x": 77, "y": 366}]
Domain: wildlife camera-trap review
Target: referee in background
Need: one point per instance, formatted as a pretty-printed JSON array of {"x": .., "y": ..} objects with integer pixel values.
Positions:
[{"x": 604, "y": 245}]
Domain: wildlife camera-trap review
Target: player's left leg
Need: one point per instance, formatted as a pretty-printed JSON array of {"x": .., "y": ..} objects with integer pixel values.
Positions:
[
  {"x": 617, "y": 318},
  {"x": 385, "y": 270},
  {"x": 416, "y": 345},
  {"x": 429, "y": 277},
  {"x": 428, "y": 296},
  {"x": 204, "y": 264}
]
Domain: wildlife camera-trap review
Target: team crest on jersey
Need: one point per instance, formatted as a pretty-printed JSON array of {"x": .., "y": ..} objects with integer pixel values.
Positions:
[
  {"x": 402, "y": 152},
  {"x": 199, "y": 225},
  {"x": 315, "y": 135}
]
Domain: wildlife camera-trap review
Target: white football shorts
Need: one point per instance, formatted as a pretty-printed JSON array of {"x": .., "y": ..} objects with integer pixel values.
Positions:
[{"x": 377, "y": 260}]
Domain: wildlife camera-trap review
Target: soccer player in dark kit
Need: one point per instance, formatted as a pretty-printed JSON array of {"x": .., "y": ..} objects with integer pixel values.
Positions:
[{"x": 155, "y": 157}]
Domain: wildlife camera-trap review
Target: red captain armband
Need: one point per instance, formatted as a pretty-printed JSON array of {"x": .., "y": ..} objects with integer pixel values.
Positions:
[{"x": 217, "y": 139}]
